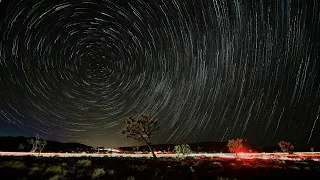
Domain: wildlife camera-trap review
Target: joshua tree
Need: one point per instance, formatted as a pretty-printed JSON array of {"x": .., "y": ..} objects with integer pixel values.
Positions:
[
  {"x": 137, "y": 147},
  {"x": 142, "y": 130},
  {"x": 234, "y": 146},
  {"x": 42, "y": 144},
  {"x": 21, "y": 146},
  {"x": 311, "y": 149},
  {"x": 183, "y": 149},
  {"x": 34, "y": 143},
  {"x": 285, "y": 146},
  {"x": 37, "y": 144},
  {"x": 199, "y": 148}
]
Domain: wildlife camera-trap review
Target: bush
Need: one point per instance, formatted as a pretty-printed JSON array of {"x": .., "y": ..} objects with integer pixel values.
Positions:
[
  {"x": 294, "y": 167},
  {"x": 13, "y": 164},
  {"x": 216, "y": 164},
  {"x": 84, "y": 163},
  {"x": 53, "y": 170},
  {"x": 221, "y": 178},
  {"x": 64, "y": 164},
  {"x": 139, "y": 168},
  {"x": 35, "y": 170},
  {"x": 307, "y": 168},
  {"x": 111, "y": 172},
  {"x": 183, "y": 149},
  {"x": 56, "y": 177},
  {"x": 97, "y": 173},
  {"x": 130, "y": 178}
]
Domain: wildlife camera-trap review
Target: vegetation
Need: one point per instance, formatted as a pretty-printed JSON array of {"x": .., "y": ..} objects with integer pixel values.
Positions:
[
  {"x": 148, "y": 168},
  {"x": 311, "y": 149},
  {"x": 142, "y": 130},
  {"x": 34, "y": 143},
  {"x": 234, "y": 146},
  {"x": 97, "y": 173},
  {"x": 183, "y": 150},
  {"x": 183, "y": 167},
  {"x": 37, "y": 144},
  {"x": 286, "y": 146},
  {"x": 199, "y": 148}
]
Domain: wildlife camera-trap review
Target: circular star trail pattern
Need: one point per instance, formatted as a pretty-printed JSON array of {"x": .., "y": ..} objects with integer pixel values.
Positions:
[{"x": 205, "y": 70}]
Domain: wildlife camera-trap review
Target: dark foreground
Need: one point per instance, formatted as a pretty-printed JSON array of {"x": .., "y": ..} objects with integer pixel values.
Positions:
[{"x": 54, "y": 168}]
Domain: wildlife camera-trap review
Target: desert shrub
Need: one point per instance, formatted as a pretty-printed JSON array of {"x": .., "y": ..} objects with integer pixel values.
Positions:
[
  {"x": 111, "y": 172},
  {"x": 183, "y": 149},
  {"x": 97, "y": 173},
  {"x": 274, "y": 161},
  {"x": 35, "y": 164},
  {"x": 130, "y": 178},
  {"x": 64, "y": 164},
  {"x": 80, "y": 169},
  {"x": 162, "y": 158},
  {"x": 139, "y": 168},
  {"x": 316, "y": 168},
  {"x": 23, "y": 178},
  {"x": 53, "y": 170},
  {"x": 277, "y": 161},
  {"x": 5, "y": 164},
  {"x": 84, "y": 163},
  {"x": 18, "y": 158},
  {"x": 307, "y": 168},
  {"x": 13, "y": 164},
  {"x": 276, "y": 167},
  {"x": 184, "y": 163},
  {"x": 222, "y": 178},
  {"x": 232, "y": 164},
  {"x": 302, "y": 162},
  {"x": 294, "y": 167},
  {"x": 34, "y": 170},
  {"x": 56, "y": 177},
  {"x": 18, "y": 165},
  {"x": 80, "y": 173},
  {"x": 216, "y": 164}
]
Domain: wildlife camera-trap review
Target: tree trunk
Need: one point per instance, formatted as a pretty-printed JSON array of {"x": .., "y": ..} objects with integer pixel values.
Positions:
[
  {"x": 150, "y": 146},
  {"x": 152, "y": 151},
  {"x": 34, "y": 148}
]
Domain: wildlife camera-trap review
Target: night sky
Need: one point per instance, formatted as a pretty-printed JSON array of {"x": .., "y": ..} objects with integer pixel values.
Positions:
[{"x": 206, "y": 70}]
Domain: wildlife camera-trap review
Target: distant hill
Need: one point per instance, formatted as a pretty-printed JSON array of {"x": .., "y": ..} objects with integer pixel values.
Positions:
[
  {"x": 202, "y": 147},
  {"x": 222, "y": 147},
  {"x": 20, "y": 144}
]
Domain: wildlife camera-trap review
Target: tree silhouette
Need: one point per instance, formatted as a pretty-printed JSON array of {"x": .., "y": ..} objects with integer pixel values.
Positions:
[
  {"x": 42, "y": 144},
  {"x": 234, "y": 145},
  {"x": 182, "y": 150},
  {"x": 34, "y": 143},
  {"x": 199, "y": 148},
  {"x": 285, "y": 146},
  {"x": 37, "y": 144},
  {"x": 142, "y": 130}
]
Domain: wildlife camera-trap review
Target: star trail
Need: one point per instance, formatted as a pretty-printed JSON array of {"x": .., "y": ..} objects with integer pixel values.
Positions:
[{"x": 206, "y": 70}]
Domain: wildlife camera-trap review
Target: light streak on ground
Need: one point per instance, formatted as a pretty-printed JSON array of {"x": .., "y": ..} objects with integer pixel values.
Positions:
[{"x": 281, "y": 156}]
